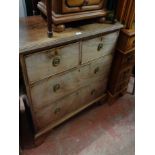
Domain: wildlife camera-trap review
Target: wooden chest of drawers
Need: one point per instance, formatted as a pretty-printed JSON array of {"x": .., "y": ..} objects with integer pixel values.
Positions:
[
  {"x": 123, "y": 63},
  {"x": 120, "y": 78},
  {"x": 65, "y": 74},
  {"x": 65, "y": 11}
]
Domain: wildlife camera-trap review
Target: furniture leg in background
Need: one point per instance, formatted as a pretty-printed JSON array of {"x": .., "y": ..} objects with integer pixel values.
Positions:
[
  {"x": 25, "y": 124},
  {"x": 49, "y": 17},
  {"x": 123, "y": 63}
]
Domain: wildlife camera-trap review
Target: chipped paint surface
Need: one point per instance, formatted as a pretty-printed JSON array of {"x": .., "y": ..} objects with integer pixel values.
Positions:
[{"x": 100, "y": 130}]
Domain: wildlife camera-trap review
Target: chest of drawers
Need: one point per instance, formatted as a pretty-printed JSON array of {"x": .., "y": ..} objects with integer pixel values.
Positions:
[
  {"x": 64, "y": 74},
  {"x": 123, "y": 64}
]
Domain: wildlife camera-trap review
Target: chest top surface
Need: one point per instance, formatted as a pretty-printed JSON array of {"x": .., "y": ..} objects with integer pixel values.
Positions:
[{"x": 33, "y": 36}]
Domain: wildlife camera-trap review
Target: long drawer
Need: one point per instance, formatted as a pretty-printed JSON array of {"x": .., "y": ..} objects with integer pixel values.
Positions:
[
  {"x": 54, "y": 88},
  {"x": 98, "y": 47},
  {"x": 62, "y": 108},
  {"x": 44, "y": 64}
]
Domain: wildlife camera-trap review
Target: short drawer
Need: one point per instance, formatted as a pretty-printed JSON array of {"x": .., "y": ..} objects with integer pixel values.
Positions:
[
  {"x": 50, "y": 90},
  {"x": 98, "y": 47},
  {"x": 64, "y": 107},
  {"x": 47, "y": 63}
]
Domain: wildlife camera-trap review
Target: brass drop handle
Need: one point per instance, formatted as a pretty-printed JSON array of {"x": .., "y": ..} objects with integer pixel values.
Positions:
[
  {"x": 57, "y": 110},
  {"x": 56, "y": 87},
  {"x": 56, "y": 61},
  {"x": 93, "y": 92},
  {"x": 96, "y": 70},
  {"x": 100, "y": 46}
]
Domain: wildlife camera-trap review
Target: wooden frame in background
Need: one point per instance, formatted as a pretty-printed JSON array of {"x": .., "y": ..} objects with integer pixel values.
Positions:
[{"x": 126, "y": 12}]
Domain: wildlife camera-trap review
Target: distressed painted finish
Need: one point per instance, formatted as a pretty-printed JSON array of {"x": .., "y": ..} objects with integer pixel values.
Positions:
[
  {"x": 79, "y": 77},
  {"x": 97, "y": 47},
  {"x": 43, "y": 93},
  {"x": 55, "y": 112},
  {"x": 41, "y": 65}
]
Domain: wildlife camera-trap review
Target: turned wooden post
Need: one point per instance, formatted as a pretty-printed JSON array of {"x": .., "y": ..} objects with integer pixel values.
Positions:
[{"x": 49, "y": 17}]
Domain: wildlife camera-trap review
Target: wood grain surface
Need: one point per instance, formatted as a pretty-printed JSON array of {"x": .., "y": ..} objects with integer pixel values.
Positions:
[
  {"x": 75, "y": 3},
  {"x": 126, "y": 40}
]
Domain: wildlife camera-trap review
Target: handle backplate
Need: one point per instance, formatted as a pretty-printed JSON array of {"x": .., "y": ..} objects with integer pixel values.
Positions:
[{"x": 56, "y": 61}]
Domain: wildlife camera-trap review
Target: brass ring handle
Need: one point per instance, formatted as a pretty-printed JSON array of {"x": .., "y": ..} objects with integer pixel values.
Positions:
[
  {"x": 56, "y": 87},
  {"x": 56, "y": 61},
  {"x": 100, "y": 46},
  {"x": 96, "y": 70},
  {"x": 57, "y": 110}
]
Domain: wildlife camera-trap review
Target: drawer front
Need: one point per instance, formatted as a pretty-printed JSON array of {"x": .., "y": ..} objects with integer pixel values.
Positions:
[
  {"x": 78, "y": 3},
  {"x": 52, "y": 89},
  {"x": 98, "y": 47},
  {"x": 62, "y": 108},
  {"x": 69, "y": 6},
  {"x": 44, "y": 64}
]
